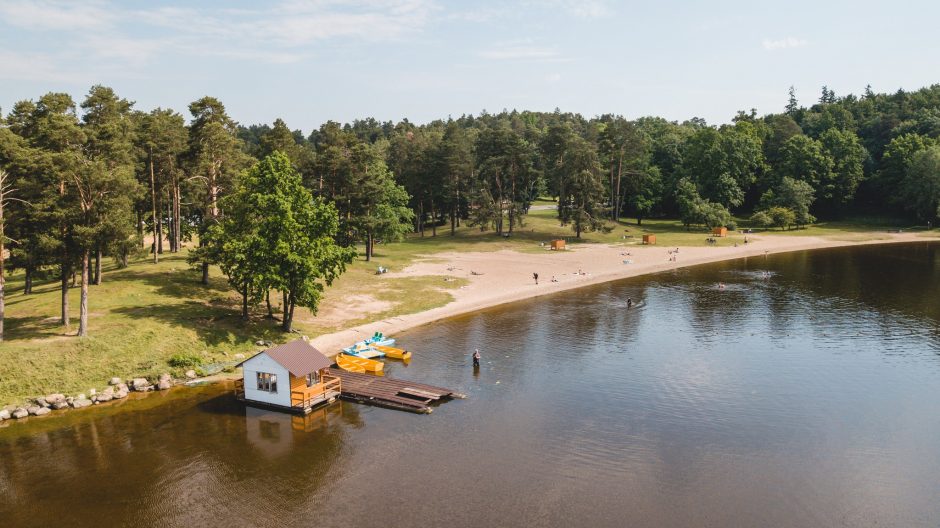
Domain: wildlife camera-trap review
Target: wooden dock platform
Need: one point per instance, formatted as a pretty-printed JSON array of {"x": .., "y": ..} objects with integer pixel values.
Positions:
[{"x": 390, "y": 392}]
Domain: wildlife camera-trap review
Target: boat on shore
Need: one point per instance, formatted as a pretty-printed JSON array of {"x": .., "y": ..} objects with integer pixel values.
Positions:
[
  {"x": 377, "y": 346},
  {"x": 392, "y": 352},
  {"x": 359, "y": 364},
  {"x": 363, "y": 350},
  {"x": 381, "y": 339}
]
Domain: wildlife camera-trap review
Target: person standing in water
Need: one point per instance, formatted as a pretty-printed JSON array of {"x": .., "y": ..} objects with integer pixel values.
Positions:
[
  {"x": 476, "y": 358},
  {"x": 629, "y": 302}
]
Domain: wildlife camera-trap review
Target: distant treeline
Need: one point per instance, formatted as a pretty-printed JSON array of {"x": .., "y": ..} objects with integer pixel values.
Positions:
[{"x": 98, "y": 179}]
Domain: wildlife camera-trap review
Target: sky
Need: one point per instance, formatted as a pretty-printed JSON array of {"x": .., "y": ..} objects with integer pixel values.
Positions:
[{"x": 309, "y": 61}]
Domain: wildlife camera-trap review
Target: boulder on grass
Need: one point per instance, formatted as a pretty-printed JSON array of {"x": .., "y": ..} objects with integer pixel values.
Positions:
[
  {"x": 115, "y": 381},
  {"x": 106, "y": 395},
  {"x": 164, "y": 384},
  {"x": 79, "y": 403},
  {"x": 191, "y": 374},
  {"x": 5, "y": 415},
  {"x": 141, "y": 384},
  {"x": 121, "y": 393},
  {"x": 41, "y": 401},
  {"x": 43, "y": 410},
  {"x": 60, "y": 405},
  {"x": 20, "y": 413},
  {"x": 53, "y": 399},
  {"x": 33, "y": 409}
]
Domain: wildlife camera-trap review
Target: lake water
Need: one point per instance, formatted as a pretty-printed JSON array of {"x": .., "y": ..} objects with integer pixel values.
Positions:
[{"x": 805, "y": 393}]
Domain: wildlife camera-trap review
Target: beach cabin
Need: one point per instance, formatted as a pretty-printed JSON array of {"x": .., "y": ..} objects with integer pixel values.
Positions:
[
  {"x": 720, "y": 231},
  {"x": 558, "y": 245},
  {"x": 649, "y": 239},
  {"x": 291, "y": 377}
]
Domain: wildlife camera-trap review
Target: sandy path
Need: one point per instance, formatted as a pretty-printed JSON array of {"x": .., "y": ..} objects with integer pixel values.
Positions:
[{"x": 505, "y": 276}]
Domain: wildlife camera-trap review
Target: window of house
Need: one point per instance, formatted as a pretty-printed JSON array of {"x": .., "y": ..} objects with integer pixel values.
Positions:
[
  {"x": 267, "y": 382},
  {"x": 312, "y": 379}
]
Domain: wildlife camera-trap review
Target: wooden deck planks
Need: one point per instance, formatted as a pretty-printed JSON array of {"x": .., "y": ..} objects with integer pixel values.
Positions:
[{"x": 387, "y": 392}]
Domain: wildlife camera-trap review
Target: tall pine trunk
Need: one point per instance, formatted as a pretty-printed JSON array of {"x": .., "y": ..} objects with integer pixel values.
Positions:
[
  {"x": 175, "y": 232},
  {"x": 66, "y": 272},
  {"x": 153, "y": 209},
  {"x": 369, "y": 242},
  {"x": 83, "y": 307},
  {"x": 213, "y": 213},
  {"x": 267, "y": 301},
  {"x": 28, "y": 280}
]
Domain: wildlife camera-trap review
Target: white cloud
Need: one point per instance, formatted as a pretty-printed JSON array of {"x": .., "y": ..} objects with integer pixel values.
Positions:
[
  {"x": 578, "y": 8},
  {"x": 519, "y": 50},
  {"x": 52, "y": 15},
  {"x": 553, "y": 77},
  {"x": 16, "y": 66},
  {"x": 276, "y": 34},
  {"x": 784, "y": 43}
]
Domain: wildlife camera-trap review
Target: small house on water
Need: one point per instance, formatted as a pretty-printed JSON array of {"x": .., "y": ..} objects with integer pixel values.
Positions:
[{"x": 293, "y": 377}]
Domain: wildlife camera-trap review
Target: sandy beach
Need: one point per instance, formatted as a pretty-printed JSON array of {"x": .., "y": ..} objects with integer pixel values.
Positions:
[{"x": 505, "y": 276}]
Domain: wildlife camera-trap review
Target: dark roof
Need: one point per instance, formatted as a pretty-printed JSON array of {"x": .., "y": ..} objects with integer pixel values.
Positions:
[{"x": 298, "y": 357}]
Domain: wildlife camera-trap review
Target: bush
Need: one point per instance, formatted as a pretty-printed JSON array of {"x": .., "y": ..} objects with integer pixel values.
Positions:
[
  {"x": 185, "y": 361},
  {"x": 775, "y": 217}
]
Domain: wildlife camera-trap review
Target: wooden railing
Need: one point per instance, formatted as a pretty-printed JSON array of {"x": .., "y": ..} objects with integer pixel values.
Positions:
[{"x": 305, "y": 397}]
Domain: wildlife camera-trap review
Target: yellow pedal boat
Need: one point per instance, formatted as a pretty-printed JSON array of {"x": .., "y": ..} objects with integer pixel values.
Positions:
[
  {"x": 358, "y": 364},
  {"x": 393, "y": 352}
]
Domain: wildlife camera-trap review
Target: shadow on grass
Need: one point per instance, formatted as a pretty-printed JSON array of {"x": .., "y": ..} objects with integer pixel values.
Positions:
[
  {"x": 33, "y": 327},
  {"x": 215, "y": 324}
]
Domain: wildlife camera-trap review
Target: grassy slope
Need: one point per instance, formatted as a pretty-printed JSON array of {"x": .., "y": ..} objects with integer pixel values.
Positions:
[{"x": 142, "y": 315}]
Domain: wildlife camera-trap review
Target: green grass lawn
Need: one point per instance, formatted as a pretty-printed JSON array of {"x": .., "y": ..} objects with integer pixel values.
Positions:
[{"x": 142, "y": 315}]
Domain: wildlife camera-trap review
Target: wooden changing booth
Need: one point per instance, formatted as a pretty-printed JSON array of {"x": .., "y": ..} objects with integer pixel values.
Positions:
[
  {"x": 558, "y": 245},
  {"x": 720, "y": 231},
  {"x": 649, "y": 239}
]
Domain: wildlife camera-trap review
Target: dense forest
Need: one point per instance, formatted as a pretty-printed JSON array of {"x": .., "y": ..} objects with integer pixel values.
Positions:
[{"x": 103, "y": 179}]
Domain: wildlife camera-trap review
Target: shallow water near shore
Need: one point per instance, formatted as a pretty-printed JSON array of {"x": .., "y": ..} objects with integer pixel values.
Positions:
[{"x": 806, "y": 392}]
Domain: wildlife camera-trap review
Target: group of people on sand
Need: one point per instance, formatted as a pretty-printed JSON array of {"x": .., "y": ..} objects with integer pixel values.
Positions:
[{"x": 535, "y": 277}]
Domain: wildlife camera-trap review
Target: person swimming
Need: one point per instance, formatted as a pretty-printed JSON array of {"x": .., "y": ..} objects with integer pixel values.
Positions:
[{"x": 629, "y": 302}]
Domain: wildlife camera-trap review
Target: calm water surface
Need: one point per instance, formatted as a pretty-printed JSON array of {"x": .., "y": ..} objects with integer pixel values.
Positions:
[{"x": 809, "y": 397}]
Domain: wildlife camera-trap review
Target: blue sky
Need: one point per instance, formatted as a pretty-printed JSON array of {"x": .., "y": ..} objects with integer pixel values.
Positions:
[{"x": 308, "y": 61}]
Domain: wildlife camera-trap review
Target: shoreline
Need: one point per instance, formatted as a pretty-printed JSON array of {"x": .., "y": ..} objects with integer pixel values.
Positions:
[
  {"x": 505, "y": 276},
  {"x": 502, "y": 277}
]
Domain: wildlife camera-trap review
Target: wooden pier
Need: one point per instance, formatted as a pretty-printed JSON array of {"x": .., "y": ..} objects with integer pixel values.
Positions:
[{"x": 390, "y": 392}]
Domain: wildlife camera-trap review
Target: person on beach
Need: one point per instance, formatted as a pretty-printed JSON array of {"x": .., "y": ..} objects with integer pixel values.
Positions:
[
  {"x": 554, "y": 279},
  {"x": 536, "y": 277},
  {"x": 476, "y": 358}
]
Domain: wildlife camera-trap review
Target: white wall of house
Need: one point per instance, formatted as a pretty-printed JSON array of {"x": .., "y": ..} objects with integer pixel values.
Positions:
[{"x": 263, "y": 363}]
